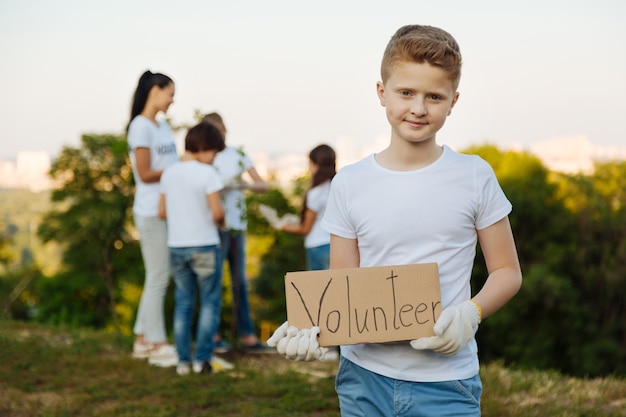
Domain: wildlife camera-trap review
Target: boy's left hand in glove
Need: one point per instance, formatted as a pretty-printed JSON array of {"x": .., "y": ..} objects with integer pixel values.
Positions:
[{"x": 454, "y": 328}]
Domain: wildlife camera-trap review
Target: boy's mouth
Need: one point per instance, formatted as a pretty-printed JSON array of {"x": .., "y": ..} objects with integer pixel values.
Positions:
[{"x": 415, "y": 123}]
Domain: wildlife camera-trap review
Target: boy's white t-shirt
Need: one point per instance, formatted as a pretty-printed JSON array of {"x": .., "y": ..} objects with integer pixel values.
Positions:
[
  {"x": 316, "y": 200},
  {"x": 407, "y": 217},
  {"x": 231, "y": 163},
  {"x": 186, "y": 186},
  {"x": 143, "y": 133}
]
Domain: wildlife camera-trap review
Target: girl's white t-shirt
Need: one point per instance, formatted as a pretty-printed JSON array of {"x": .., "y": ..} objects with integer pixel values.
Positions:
[
  {"x": 186, "y": 186},
  {"x": 408, "y": 217},
  {"x": 143, "y": 133},
  {"x": 316, "y": 200}
]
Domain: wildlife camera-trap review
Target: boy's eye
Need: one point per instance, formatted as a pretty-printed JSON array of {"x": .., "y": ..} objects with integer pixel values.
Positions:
[
  {"x": 405, "y": 93},
  {"x": 434, "y": 97}
]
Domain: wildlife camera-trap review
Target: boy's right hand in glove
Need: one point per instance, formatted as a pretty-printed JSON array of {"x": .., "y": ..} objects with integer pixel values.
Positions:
[{"x": 296, "y": 344}]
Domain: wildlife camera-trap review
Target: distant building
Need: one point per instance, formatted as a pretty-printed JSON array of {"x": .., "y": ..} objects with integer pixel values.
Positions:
[
  {"x": 575, "y": 154},
  {"x": 8, "y": 175},
  {"x": 30, "y": 171},
  {"x": 282, "y": 169}
]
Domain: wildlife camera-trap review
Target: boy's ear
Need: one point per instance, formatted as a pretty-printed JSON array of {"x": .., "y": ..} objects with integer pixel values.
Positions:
[
  {"x": 380, "y": 90},
  {"x": 454, "y": 100}
]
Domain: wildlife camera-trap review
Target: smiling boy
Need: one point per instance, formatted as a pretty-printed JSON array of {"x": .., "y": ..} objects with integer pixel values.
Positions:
[{"x": 418, "y": 202}]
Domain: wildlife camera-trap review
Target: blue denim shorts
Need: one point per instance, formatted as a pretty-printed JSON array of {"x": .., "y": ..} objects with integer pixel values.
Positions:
[{"x": 365, "y": 393}]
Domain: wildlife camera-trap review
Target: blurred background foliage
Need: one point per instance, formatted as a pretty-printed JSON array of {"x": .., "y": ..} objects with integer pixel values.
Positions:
[{"x": 71, "y": 256}]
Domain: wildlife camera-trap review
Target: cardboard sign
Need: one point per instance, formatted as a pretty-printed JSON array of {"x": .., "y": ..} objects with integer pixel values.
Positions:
[{"x": 365, "y": 305}]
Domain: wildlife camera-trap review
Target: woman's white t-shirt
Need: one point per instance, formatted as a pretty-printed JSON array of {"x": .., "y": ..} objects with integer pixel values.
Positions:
[
  {"x": 143, "y": 133},
  {"x": 410, "y": 217}
]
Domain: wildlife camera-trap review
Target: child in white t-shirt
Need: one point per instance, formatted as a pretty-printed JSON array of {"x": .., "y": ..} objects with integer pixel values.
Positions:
[
  {"x": 417, "y": 202},
  {"x": 316, "y": 240},
  {"x": 191, "y": 203}
]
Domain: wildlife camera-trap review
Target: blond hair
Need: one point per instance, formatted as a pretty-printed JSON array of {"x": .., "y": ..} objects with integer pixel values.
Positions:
[{"x": 419, "y": 44}]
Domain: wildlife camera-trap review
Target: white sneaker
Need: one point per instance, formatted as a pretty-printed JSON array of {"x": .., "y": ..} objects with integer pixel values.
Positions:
[
  {"x": 218, "y": 364},
  {"x": 163, "y": 356},
  {"x": 141, "y": 350},
  {"x": 202, "y": 367},
  {"x": 183, "y": 369}
]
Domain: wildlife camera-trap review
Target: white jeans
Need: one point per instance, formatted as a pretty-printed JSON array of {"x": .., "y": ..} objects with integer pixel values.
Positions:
[{"x": 156, "y": 259}]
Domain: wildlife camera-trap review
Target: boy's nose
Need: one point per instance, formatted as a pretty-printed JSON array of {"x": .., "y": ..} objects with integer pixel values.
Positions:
[{"x": 418, "y": 108}]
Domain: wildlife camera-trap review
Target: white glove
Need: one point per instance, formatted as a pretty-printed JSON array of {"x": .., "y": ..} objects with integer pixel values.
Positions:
[
  {"x": 270, "y": 215},
  {"x": 277, "y": 222},
  {"x": 289, "y": 219},
  {"x": 297, "y": 345},
  {"x": 454, "y": 328}
]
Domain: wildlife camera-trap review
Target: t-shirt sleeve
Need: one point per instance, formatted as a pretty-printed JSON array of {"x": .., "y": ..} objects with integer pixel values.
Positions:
[
  {"x": 336, "y": 219},
  {"x": 315, "y": 200},
  {"x": 164, "y": 181},
  {"x": 247, "y": 161},
  {"x": 493, "y": 204},
  {"x": 214, "y": 182},
  {"x": 139, "y": 135}
]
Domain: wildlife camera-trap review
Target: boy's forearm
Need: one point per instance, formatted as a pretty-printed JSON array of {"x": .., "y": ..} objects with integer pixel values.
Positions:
[
  {"x": 501, "y": 285},
  {"x": 259, "y": 186}
]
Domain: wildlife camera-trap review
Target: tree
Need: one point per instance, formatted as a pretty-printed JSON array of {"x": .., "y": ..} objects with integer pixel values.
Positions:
[
  {"x": 6, "y": 254},
  {"x": 90, "y": 220},
  {"x": 598, "y": 202},
  {"x": 570, "y": 313},
  {"x": 286, "y": 254},
  {"x": 543, "y": 231}
]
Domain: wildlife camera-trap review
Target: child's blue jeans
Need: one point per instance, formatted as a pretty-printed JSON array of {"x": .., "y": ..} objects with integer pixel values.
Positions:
[
  {"x": 364, "y": 393},
  {"x": 196, "y": 269}
]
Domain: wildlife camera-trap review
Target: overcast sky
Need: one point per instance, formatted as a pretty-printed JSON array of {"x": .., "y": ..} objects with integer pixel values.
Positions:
[{"x": 289, "y": 74}]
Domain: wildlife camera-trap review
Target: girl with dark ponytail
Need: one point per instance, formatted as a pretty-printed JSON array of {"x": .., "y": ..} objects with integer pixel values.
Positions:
[{"x": 316, "y": 241}]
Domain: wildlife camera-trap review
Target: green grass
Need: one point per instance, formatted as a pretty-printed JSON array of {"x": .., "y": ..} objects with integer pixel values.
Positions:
[{"x": 47, "y": 371}]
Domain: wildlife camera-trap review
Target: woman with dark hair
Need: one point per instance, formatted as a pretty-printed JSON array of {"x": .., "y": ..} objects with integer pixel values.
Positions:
[
  {"x": 316, "y": 240},
  {"x": 152, "y": 148}
]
